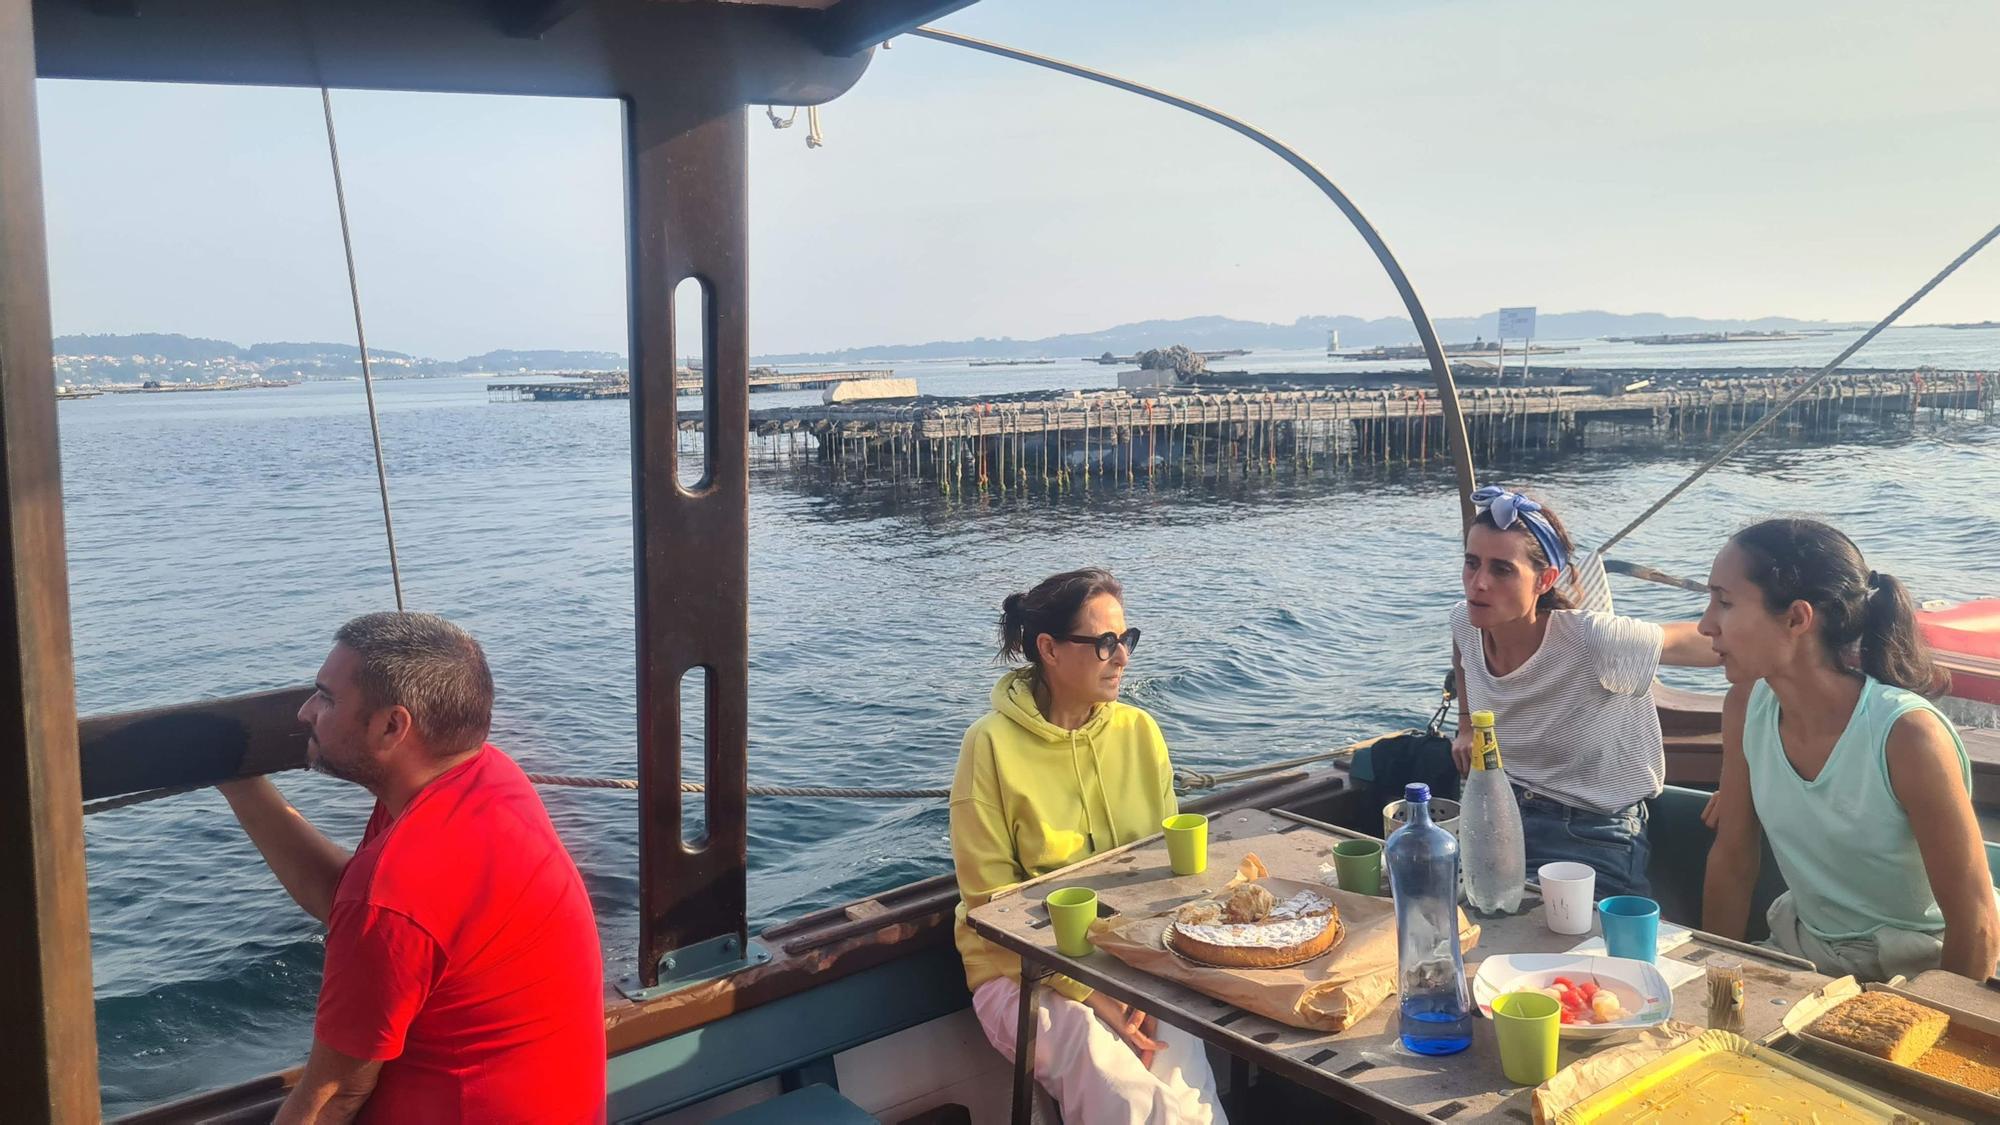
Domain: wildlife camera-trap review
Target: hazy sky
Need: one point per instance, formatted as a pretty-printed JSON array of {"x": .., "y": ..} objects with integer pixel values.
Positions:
[{"x": 1811, "y": 158}]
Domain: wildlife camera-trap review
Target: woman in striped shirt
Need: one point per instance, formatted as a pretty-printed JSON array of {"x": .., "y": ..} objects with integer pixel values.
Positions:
[{"x": 1570, "y": 691}]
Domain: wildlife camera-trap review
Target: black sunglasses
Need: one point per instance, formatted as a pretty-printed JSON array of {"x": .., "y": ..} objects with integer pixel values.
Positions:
[{"x": 1106, "y": 642}]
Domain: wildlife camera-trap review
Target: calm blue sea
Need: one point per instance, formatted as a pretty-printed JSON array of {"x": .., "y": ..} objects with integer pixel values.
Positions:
[{"x": 216, "y": 540}]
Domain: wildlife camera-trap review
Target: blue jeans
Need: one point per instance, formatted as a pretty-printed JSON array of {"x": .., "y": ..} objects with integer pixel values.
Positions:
[{"x": 1614, "y": 844}]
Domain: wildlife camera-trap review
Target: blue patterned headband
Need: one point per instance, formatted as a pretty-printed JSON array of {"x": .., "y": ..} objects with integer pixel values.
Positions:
[{"x": 1506, "y": 506}]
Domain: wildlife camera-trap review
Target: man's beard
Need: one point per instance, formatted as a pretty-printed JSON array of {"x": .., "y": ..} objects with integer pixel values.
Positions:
[{"x": 360, "y": 771}]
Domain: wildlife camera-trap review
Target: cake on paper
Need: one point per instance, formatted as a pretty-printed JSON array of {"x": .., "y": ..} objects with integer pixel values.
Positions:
[{"x": 1249, "y": 927}]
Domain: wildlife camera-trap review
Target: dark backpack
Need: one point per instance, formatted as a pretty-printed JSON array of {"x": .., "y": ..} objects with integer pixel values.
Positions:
[
  {"x": 1397, "y": 760},
  {"x": 1414, "y": 755}
]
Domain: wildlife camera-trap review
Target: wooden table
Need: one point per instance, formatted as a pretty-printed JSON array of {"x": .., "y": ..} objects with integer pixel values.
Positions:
[{"x": 1365, "y": 1066}]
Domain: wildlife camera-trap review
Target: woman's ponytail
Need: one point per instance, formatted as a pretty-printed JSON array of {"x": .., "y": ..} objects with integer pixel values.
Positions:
[{"x": 1892, "y": 650}]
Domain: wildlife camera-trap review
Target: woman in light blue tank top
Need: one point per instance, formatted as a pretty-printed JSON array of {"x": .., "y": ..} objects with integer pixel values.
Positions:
[{"x": 1832, "y": 751}]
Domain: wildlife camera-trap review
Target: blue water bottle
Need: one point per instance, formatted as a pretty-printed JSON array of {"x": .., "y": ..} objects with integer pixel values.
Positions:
[{"x": 1430, "y": 975}]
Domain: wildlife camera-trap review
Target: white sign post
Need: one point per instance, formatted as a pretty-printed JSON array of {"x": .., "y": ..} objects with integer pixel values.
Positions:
[{"x": 1520, "y": 324}]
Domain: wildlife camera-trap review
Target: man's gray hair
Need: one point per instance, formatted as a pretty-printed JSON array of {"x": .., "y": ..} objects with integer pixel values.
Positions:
[{"x": 424, "y": 663}]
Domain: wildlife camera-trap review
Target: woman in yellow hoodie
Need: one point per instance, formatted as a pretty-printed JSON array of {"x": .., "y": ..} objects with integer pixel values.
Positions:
[{"x": 1056, "y": 772}]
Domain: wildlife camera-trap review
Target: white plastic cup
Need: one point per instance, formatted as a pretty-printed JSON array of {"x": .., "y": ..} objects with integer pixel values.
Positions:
[{"x": 1567, "y": 896}]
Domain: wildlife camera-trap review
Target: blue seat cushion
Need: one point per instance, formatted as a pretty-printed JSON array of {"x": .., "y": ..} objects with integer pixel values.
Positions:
[{"x": 808, "y": 1105}]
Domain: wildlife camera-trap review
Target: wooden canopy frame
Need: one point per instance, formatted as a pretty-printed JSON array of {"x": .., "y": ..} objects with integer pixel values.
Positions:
[{"x": 685, "y": 71}]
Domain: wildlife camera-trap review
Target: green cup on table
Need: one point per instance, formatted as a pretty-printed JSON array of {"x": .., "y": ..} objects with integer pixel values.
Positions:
[
  {"x": 1528, "y": 1025},
  {"x": 1187, "y": 843},
  {"x": 1359, "y": 864},
  {"x": 1071, "y": 911}
]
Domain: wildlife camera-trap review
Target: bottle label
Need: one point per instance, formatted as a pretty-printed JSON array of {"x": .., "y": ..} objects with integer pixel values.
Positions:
[{"x": 1485, "y": 749}]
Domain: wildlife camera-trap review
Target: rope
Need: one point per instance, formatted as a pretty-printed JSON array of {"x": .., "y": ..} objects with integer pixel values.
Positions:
[
  {"x": 575, "y": 782},
  {"x": 1187, "y": 780},
  {"x": 361, "y": 340},
  {"x": 1805, "y": 388}
]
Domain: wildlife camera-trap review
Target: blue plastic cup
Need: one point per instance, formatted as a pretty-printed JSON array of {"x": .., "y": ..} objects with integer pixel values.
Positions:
[{"x": 1631, "y": 927}]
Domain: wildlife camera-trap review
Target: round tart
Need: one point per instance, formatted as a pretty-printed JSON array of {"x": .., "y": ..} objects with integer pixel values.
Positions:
[{"x": 1295, "y": 931}]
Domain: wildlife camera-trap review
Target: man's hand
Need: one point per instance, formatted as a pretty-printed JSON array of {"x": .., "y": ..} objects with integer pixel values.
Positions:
[
  {"x": 306, "y": 862},
  {"x": 1133, "y": 1026},
  {"x": 332, "y": 1089}
]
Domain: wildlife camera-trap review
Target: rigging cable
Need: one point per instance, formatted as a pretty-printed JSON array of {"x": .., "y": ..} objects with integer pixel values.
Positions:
[
  {"x": 1800, "y": 392},
  {"x": 361, "y": 341}
]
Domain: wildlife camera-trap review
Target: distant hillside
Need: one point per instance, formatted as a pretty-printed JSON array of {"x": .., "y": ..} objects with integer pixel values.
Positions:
[
  {"x": 171, "y": 357},
  {"x": 510, "y": 360},
  {"x": 166, "y": 346},
  {"x": 150, "y": 355},
  {"x": 317, "y": 351},
  {"x": 1211, "y": 333}
]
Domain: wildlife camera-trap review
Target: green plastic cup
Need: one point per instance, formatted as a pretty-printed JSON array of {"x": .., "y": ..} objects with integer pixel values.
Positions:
[
  {"x": 1359, "y": 863},
  {"x": 1187, "y": 843},
  {"x": 1527, "y": 1024},
  {"x": 1072, "y": 910}
]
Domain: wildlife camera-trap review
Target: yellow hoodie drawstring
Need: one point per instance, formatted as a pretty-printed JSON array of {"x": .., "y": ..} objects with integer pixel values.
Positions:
[
  {"x": 1083, "y": 792},
  {"x": 1097, "y": 763},
  {"x": 1083, "y": 798}
]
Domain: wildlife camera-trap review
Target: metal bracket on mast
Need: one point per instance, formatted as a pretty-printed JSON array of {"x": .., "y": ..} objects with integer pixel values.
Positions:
[{"x": 696, "y": 964}]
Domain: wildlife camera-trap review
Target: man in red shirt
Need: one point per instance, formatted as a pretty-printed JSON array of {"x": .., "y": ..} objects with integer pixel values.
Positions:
[{"x": 464, "y": 981}]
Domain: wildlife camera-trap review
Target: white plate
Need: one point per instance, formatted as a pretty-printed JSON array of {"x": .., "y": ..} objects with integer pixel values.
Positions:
[{"x": 1640, "y": 988}]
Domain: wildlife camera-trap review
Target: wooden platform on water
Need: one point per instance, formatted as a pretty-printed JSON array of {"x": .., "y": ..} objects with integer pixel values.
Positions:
[
  {"x": 584, "y": 386},
  {"x": 1057, "y": 436},
  {"x": 1067, "y": 437},
  {"x": 1128, "y": 360}
]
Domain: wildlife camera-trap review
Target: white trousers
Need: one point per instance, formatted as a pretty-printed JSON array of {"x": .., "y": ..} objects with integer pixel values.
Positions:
[{"x": 1092, "y": 1074}]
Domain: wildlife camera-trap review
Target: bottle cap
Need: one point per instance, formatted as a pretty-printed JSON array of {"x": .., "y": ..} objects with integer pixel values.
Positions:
[
  {"x": 1416, "y": 792},
  {"x": 1482, "y": 718}
]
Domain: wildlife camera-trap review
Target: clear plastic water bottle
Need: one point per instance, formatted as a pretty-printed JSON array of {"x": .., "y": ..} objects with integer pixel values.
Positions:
[
  {"x": 1493, "y": 852},
  {"x": 1430, "y": 975}
]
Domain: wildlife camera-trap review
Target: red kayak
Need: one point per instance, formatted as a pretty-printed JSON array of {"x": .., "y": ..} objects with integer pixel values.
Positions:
[{"x": 1966, "y": 640}]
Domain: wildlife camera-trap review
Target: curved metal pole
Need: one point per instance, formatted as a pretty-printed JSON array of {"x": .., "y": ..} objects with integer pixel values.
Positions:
[{"x": 1454, "y": 421}]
